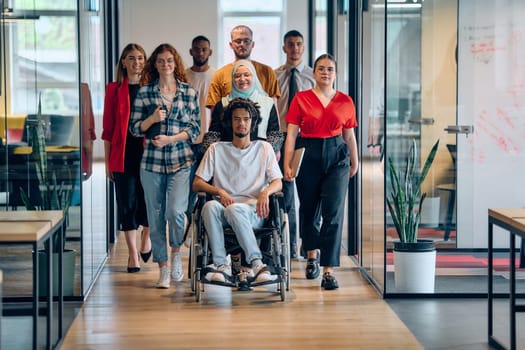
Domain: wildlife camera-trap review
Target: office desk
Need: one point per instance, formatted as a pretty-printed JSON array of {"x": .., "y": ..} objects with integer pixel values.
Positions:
[
  {"x": 512, "y": 220},
  {"x": 34, "y": 228},
  {"x": 25, "y": 150},
  {"x": 19, "y": 172}
]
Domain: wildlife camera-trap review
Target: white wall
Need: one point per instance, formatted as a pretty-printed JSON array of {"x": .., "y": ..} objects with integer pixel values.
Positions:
[
  {"x": 150, "y": 23},
  {"x": 177, "y": 22}
]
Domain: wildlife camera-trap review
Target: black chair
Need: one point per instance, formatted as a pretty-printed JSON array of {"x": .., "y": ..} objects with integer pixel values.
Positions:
[
  {"x": 58, "y": 129},
  {"x": 450, "y": 188}
]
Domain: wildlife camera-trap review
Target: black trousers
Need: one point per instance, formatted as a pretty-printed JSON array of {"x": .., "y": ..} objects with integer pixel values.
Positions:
[
  {"x": 289, "y": 202},
  {"x": 322, "y": 185},
  {"x": 131, "y": 206}
]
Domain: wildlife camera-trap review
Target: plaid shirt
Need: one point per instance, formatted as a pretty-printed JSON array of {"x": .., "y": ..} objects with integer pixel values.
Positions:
[{"x": 184, "y": 117}]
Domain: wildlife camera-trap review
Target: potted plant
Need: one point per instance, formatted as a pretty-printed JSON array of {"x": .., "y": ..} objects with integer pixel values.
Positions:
[
  {"x": 414, "y": 259},
  {"x": 52, "y": 195}
]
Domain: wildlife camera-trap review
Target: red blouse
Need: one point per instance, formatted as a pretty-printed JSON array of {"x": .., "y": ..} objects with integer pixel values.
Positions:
[{"x": 314, "y": 120}]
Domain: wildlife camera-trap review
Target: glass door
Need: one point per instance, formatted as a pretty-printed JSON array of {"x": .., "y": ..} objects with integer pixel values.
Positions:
[{"x": 420, "y": 103}]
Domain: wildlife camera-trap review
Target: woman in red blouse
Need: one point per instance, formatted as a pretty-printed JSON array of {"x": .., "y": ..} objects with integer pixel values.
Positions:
[{"x": 325, "y": 119}]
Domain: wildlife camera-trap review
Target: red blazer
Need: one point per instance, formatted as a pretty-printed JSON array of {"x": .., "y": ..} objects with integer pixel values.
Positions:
[{"x": 115, "y": 122}]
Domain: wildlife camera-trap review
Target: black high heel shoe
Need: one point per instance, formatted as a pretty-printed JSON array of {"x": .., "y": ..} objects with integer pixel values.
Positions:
[
  {"x": 132, "y": 269},
  {"x": 145, "y": 256}
]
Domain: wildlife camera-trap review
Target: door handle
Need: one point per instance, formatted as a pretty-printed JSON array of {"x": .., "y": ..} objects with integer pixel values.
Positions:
[{"x": 460, "y": 129}]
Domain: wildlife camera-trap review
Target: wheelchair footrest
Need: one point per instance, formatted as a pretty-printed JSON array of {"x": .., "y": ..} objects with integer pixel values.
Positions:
[{"x": 242, "y": 282}]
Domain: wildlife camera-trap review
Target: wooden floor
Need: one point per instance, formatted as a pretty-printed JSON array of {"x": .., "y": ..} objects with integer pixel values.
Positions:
[{"x": 125, "y": 311}]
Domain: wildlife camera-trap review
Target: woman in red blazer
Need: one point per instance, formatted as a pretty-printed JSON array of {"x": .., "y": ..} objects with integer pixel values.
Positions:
[{"x": 123, "y": 153}]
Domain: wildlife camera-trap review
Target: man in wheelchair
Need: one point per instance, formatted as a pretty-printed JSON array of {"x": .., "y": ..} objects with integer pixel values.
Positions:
[{"x": 240, "y": 176}]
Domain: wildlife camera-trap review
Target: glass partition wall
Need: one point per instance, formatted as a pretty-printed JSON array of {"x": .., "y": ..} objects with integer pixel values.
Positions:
[
  {"x": 52, "y": 56},
  {"x": 444, "y": 70},
  {"x": 420, "y": 90},
  {"x": 372, "y": 144}
]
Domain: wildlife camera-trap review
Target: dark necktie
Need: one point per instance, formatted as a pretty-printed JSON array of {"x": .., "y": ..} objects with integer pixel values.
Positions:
[{"x": 292, "y": 89}]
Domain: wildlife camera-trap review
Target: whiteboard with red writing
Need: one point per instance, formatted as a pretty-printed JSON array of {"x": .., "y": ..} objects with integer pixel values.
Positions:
[{"x": 491, "y": 97}]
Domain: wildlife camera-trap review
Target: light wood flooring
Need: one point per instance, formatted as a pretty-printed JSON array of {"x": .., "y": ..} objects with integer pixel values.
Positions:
[{"x": 125, "y": 311}]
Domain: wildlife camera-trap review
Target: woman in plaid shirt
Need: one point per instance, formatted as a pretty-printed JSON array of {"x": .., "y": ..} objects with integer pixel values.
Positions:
[{"x": 167, "y": 112}]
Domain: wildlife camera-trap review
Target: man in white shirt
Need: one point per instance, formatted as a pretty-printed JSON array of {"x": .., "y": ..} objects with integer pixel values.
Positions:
[
  {"x": 199, "y": 76},
  {"x": 243, "y": 175}
]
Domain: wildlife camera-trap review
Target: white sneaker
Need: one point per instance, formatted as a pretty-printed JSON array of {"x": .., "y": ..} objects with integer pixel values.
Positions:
[
  {"x": 218, "y": 272},
  {"x": 262, "y": 274},
  {"x": 176, "y": 267},
  {"x": 164, "y": 279}
]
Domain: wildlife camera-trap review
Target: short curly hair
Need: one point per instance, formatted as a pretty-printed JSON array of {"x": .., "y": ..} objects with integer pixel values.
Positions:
[{"x": 241, "y": 103}]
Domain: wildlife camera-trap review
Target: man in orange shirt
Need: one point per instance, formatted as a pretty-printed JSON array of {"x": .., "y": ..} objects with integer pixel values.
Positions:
[{"x": 242, "y": 45}]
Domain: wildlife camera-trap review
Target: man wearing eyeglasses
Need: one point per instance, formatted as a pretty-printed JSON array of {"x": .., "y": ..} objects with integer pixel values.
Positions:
[{"x": 242, "y": 44}]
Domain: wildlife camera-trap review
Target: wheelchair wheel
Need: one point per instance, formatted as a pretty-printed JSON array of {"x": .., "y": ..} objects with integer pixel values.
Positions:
[
  {"x": 198, "y": 285},
  {"x": 285, "y": 233},
  {"x": 282, "y": 286},
  {"x": 194, "y": 251}
]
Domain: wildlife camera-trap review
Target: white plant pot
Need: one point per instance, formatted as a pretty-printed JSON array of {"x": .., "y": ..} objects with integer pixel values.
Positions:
[{"x": 414, "y": 272}]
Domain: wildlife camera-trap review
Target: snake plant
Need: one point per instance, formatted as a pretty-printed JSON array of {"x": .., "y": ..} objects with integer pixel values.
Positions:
[
  {"x": 51, "y": 194},
  {"x": 405, "y": 193}
]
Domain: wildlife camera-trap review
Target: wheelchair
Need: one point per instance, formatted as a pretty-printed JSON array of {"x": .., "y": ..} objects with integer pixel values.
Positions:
[{"x": 273, "y": 239}]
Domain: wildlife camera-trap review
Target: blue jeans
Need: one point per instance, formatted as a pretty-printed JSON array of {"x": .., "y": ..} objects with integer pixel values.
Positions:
[
  {"x": 166, "y": 198},
  {"x": 242, "y": 219}
]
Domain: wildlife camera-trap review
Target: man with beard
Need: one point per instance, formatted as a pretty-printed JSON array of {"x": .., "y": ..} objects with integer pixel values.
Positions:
[
  {"x": 242, "y": 44},
  {"x": 243, "y": 175},
  {"x": 199, "y": 76}
]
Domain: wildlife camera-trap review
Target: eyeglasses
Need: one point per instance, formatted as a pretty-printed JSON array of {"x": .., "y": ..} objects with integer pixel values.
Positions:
[
  {"x": 163, "y": 61},
  {"x": 242, "y": 41},
  {"x": 244, "y": 119}
]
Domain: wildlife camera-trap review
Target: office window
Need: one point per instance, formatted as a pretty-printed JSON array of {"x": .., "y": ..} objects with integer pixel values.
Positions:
[
  {"x": 265, "y": 18},
  {"x": 43, "y": 58}
]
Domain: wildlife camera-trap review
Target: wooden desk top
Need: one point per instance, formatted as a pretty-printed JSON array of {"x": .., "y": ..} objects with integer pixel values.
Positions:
[
  {"x": 24, "y": 150},
  {"x": 24, "y": 231},
  {"x": 514, "y": 217},
  {"x": 53, "y": 216}
]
